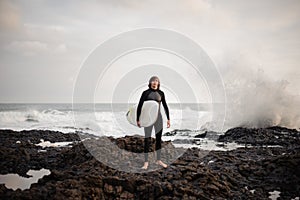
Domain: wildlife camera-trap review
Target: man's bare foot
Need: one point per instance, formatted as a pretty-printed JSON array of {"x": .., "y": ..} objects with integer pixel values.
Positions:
[
  {"x": 159, "y": 162},
  {"x": 145, "y": 165}
]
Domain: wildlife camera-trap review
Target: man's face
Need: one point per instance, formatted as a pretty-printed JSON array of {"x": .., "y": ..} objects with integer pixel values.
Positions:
[{"x": 154, "y": 83}]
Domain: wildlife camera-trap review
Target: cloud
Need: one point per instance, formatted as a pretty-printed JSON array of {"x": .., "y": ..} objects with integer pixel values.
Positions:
[
  {"x": 51, "y": 28},
  {"x": 266, "y": 32},
  {"x": 33, "y": 48},
  {"x": 27, "y": 48},
  {"x": 61, "y": 48},
  {"x": 9, "y": 16}
]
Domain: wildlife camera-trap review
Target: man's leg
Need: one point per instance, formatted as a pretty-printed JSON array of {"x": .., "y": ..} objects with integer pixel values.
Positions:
[
  {"x": 158, "y": 126},
  {"x": 148, "y": 131}
]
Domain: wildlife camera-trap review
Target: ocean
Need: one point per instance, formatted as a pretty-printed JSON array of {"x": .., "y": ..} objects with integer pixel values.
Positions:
[
  {"x": 110, "y": 118},
  {"x": 104, "y": 119}
]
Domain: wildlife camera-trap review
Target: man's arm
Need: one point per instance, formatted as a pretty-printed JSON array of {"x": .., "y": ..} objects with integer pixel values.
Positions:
[
  {"x": 163, "y": 100},
  {"x": 139, "y": 108}
]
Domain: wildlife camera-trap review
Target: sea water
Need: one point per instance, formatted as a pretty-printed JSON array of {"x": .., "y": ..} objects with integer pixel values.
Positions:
[
  {"x": 15, "y": 181},
  {"x": 110, "y": 119}
]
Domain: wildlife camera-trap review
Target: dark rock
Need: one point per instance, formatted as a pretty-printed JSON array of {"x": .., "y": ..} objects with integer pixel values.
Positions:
[
  {"x": 262, "y": 136},
  {"x": 202, "y": 135},
  {"x": 77, "y": 174}
]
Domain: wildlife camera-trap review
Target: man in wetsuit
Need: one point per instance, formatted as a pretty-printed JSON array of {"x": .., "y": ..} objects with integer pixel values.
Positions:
[{"x": 153, "y": 93}]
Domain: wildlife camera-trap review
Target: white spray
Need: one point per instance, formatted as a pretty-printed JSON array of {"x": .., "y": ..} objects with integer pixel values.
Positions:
[{"x": 255, "y": 100}]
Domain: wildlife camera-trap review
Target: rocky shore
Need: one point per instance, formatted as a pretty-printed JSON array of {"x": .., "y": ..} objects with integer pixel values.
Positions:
[{"x": 268, "y": 164}]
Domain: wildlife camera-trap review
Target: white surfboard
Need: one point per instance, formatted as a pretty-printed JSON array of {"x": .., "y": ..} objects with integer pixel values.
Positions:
[{"x": 149, "y": 113}]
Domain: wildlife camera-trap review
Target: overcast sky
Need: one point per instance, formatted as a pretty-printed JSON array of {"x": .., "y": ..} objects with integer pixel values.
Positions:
[{"x": 44, "y": 43}]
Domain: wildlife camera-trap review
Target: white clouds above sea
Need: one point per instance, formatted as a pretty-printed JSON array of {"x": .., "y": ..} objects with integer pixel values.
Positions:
[{"x": 43, "y": 43}]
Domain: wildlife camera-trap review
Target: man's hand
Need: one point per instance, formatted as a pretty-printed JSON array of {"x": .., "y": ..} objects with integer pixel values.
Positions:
[
  {"x": 138, "y": 123},
  {"x": 168, "y": 124}
]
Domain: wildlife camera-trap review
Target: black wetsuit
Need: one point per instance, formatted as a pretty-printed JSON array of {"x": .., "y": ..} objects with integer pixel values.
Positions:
[{"x": 159, "y": 96}]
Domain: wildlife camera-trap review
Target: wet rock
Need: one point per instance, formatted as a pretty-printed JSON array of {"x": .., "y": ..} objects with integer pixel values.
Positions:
[
  {"x": 243, "y": 173},
  {"x": 262, "y": 136},
  {"x": 201, "y": 135}
]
